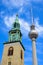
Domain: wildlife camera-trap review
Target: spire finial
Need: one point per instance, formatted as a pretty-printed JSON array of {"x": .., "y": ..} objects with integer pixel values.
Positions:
[
  {"x": 16, "y": 15},
  {"x": 16, "y": 20}
]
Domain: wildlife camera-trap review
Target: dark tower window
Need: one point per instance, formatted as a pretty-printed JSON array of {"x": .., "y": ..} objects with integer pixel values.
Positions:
[
  {"x": 15, "y": 25},
  {"x": 21, "y": 54},
  {"x": 10, "y": 51},
  {"x": 9, "y": 63}
]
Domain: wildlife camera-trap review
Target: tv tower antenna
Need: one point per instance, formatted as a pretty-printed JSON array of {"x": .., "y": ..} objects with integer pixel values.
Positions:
[{"x": 32, "y": 18}]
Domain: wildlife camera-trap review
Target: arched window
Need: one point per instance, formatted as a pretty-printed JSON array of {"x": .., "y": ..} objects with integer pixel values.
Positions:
[
  {"x": 10, "y": 51},
  {"x": 21, "y": 54}
]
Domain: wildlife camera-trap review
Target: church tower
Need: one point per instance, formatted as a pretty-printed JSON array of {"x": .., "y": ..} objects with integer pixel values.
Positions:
[{"x": 13, "y": 53}]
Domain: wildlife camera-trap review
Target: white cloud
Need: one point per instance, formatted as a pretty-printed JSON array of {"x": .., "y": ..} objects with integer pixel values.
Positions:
[
  {"x": 18, "y": 3},
  {"x": 39, "y": 28},
  {"x": 25, "y": 26},
  {"x": 13, "y": 3},
  {"x": 9, "y": 21}
]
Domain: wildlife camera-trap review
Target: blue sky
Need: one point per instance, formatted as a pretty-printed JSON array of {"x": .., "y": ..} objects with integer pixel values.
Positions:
[{"x": 8, "y": 11}]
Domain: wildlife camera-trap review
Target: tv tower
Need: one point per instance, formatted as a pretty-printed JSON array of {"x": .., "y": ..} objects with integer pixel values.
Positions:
[{"x": 33, "y": 36}]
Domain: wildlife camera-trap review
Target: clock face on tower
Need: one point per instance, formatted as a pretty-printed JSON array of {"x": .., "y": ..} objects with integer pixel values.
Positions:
[{"x": 15, "y": 37}]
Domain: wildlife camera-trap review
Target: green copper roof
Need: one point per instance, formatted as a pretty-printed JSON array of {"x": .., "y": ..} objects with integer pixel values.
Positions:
[
  {"x": 15, "y": 33},
  {"x": 16, "y": 24}
]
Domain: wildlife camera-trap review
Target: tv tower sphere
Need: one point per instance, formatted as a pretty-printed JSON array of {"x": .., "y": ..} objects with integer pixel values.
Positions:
[{"x": 33, "y": 33}]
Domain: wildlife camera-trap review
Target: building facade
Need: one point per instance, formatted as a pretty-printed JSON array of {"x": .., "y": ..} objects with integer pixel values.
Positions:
[{"x": 13, "y": 53}]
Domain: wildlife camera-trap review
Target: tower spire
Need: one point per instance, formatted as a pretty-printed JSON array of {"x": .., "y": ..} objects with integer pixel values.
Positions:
[
  {"x": 15, "y": 33},
  {"x": 16, "y": 20},
  {"x": 33, "y": 36},
  {"x": 32, "y": 18},
  {"x": 16, "y": 24}
]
